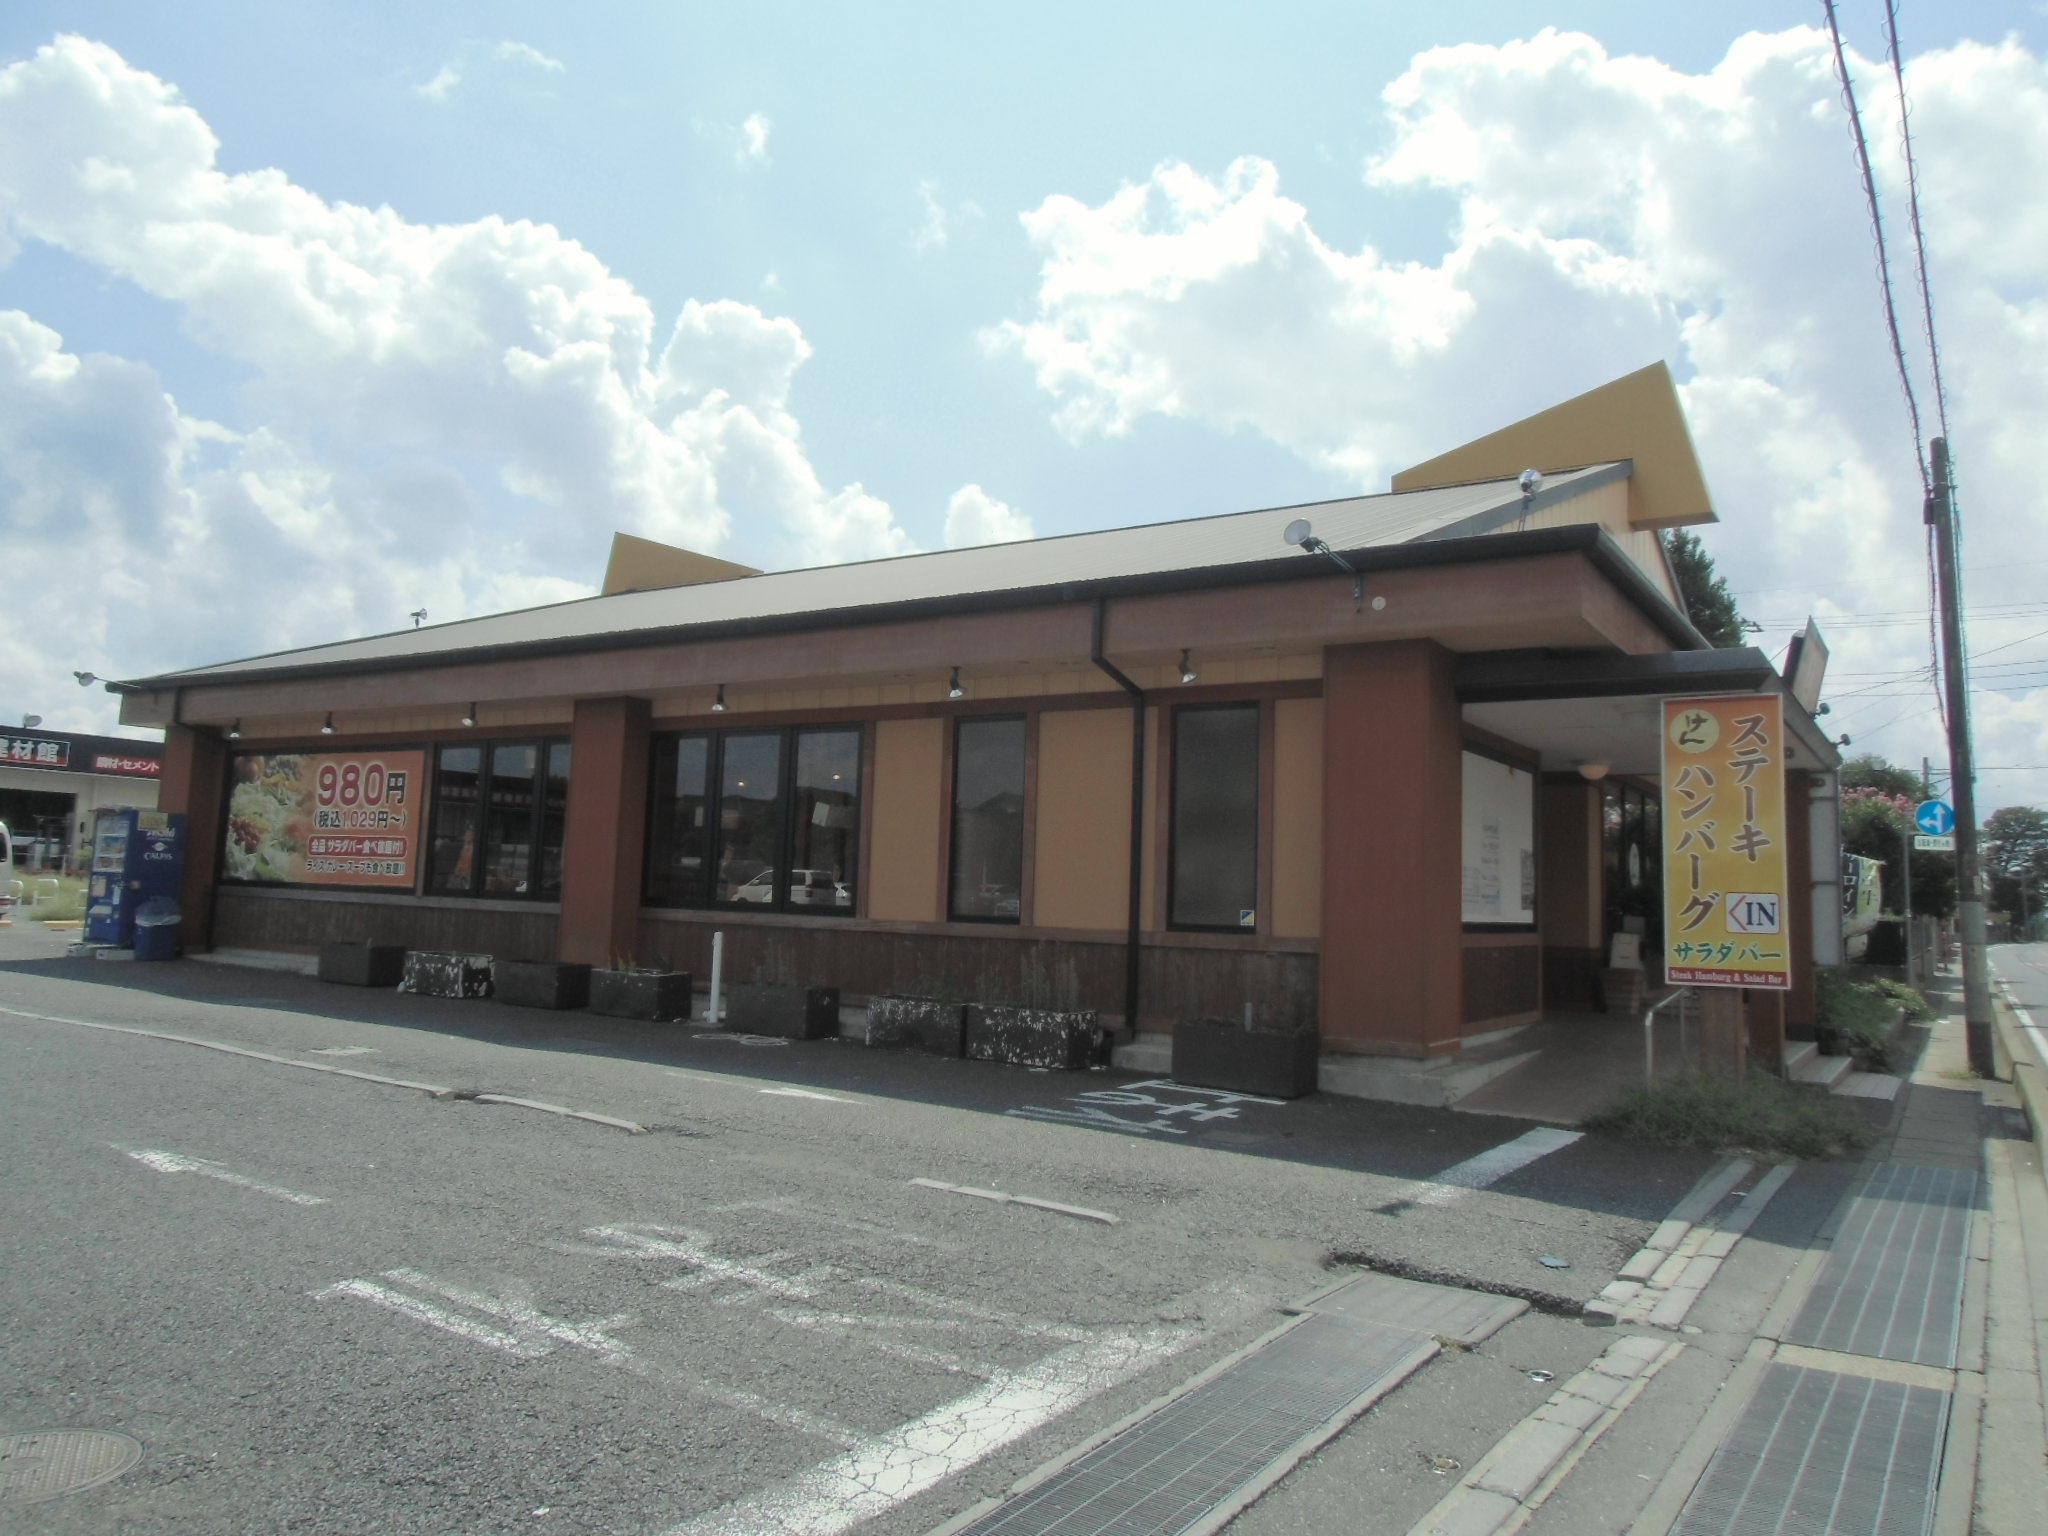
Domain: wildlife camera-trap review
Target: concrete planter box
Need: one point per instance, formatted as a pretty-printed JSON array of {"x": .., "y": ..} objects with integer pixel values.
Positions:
[
  {"x": 793, "y": 1013},
  {"x": 1032, "y": 1037},
  {"x": 434, "y": 973},
  {"x": 362, "y": 965},
  {"x": 541, "y": 983},
  {"x": 659, "y": 997},
  {"x": 1222, "y": 1053},
  {"x": 917, "y": 1024}
]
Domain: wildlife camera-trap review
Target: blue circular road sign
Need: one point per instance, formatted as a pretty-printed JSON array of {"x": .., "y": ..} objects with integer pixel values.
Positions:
[{"x": 1936, "y": 818}]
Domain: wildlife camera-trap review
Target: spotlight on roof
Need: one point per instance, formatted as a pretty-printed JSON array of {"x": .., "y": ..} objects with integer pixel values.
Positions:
[
  {"x": 85, "y": 679},
  {"x": 419, "y": 617},
  {"x": 1530, "y": 480},
  {"x": 30, "y": 722},
  {"x": 1303, "y": 537}
]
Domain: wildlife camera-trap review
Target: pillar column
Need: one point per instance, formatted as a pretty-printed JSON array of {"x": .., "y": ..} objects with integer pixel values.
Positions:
[
  {"x": 605, "y": 832},
  {"x": 1799, "y": 885},
  {"x": 194, "y": 782},
  {"x": 1392, "y": 943}
]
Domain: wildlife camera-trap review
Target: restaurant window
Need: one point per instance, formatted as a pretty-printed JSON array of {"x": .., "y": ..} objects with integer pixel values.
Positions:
[
  {"x": 988, "y": 821},
  {"x": 1214, "y": 854},
  {"x": 755, "y": 818},
  {"x": 499, "y": 813},
  {"x": 1631, "y": 857}
]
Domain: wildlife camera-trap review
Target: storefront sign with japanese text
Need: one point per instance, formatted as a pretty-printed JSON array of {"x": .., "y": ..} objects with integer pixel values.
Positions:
[
  {"x": 35, "y": 752},
  {"x": 325, "y": 818},
  {"x": 1725, "y": 893}
]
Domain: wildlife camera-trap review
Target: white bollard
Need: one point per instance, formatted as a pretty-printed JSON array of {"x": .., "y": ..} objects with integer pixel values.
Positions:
[{"x": 711, "y": 1009}]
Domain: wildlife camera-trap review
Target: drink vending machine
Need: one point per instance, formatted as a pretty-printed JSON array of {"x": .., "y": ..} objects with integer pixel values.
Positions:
[{"x": 137, "y": 856}]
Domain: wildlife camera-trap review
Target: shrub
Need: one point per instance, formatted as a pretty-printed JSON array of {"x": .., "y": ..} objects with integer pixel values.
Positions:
[{"x": 1723, "y": 1113}]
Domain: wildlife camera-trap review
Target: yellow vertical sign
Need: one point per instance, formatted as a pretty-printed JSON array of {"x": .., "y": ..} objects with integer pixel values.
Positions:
[{"x": 1724, "y": 842}]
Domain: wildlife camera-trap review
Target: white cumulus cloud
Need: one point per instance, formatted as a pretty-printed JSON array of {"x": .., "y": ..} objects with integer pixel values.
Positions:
[
  {"x": 975, "y": 517},
  {"x": 1613, "y": 210},
  {"x": 450, "y": 415},
  {"x": 513, "y": 57}
]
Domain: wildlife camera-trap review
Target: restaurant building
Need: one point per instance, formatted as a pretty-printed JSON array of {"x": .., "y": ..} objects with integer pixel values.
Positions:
[{"x": 1396, "y": 778}]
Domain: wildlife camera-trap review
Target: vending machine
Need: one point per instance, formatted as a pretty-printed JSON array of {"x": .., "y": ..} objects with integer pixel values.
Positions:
[{"x": 136, "y": 857}]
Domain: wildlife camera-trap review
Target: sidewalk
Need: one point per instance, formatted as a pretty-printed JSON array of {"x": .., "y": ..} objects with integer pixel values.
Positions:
[{"x": 1895, "y": 1385}]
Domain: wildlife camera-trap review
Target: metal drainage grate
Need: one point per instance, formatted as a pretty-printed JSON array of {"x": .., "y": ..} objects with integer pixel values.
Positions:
[
  {"x": 60, "y": 1461},
  {"x": 1170, "y": 1472},
  {"x": 1892, "y": 1286},
  {"x": 1464, "y": 1316},
  {"x": 1819, "y": 1454}
]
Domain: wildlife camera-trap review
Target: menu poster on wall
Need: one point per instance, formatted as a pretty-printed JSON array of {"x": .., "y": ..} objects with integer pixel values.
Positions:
[
  {"x": 1499, "y": 810},
  {"x": 325, "y": 818},
  {"x": 1724, "y": 842}
]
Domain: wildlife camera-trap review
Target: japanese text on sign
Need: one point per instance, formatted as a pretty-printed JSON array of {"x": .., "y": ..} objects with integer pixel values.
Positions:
[
  {"x": 1724, "y": 842},
  {"x": 328, "y": 818}
]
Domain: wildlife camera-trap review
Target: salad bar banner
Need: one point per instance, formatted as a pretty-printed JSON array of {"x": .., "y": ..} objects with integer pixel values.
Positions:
[{"x": 325, "y": 818}]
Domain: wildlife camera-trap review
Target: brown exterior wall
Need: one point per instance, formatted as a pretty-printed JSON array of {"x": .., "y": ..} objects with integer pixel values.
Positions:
[
  {"x": 908, "y": 796},
  {"x": 194, "y": 782},
  {"x": 304, "y": 920},
  {"x": 1392, "y": 960},
  {"x": 1082, "y": 865},
  {"x": 604, "y": 841},
  {"x": 1502, "y": 981},
  {"x": 1570, "y": 898},
  {"x": 1179, "y": 979},
  {"x": 1297, "y": 802}
]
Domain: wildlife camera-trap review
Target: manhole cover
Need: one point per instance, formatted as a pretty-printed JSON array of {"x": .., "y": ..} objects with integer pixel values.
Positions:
[{"x": 61, "y": 1461}]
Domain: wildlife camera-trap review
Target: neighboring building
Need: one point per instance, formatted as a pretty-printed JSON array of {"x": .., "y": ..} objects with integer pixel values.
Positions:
[
  {"x": 51, "y": 782},
  {"x": 1411, "y": 807}
]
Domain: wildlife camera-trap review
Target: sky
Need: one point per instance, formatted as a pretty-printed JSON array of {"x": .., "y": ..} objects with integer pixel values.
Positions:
[{"x": 313, "y": 315}]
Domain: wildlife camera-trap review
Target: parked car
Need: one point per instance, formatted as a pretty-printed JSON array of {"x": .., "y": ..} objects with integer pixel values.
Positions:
[{"x": 807, "y": 888}]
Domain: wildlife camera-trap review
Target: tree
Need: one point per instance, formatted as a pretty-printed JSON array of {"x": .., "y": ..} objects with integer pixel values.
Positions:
[
  {"x": 1872, "y": 772},
  {"x": 2016, "y": 859},
  {"x": 1877, "y": 825},
  {"x": 1708, "y": 602}
]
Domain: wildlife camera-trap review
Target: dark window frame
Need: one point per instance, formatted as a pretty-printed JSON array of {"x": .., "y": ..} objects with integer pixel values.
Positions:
[
  {"x": 953, "y": 914},
  {"x": 790, "y": 739},
  {"x": 487, "y": 747},
  {"x": 1257, "y": 710}
]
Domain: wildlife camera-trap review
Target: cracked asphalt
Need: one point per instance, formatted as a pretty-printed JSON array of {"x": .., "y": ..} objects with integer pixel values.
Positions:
[{"x": 324, "y": 1304}]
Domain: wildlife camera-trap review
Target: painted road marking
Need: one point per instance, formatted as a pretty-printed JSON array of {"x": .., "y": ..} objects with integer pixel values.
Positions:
[
  {"x": 1489, "y": 1167},
  {"x": 1000, "y": 1198},
  {"x": 527, "y": 1333},
  {"x": 720, "y": 1035},
  {"x": 805, "y": 1093},
  {"x": 1152, "y": 1107},
  {"x": 177, "y": 1162},
  {"x": 342, "y": 1050},
  {"x": 886, "y": 1470}
]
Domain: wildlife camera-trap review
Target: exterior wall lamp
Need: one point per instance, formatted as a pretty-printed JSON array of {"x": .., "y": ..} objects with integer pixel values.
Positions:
[
  {"x": 469, "y": 715},
  {"x": 1187, "y": 668},
  {"x": 953, "y": 688},
  {"x": 718, "y": 704},
  {"x": 235, "y": 730},
  {"x": 327, "y": 725}
]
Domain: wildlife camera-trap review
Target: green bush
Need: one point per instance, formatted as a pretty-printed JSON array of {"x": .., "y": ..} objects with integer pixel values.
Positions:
[
  {"x": 1756, "y": 1114},
  {"x": 1918, "y": 1009},
  {"x": 1863, "y": 1013}
]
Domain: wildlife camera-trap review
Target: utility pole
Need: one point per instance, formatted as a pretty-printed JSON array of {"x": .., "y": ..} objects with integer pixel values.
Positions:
[{"x": 1962, "y": 768}]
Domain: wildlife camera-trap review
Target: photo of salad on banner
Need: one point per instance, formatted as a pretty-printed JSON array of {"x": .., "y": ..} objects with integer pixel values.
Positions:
[{"x": 328, "y": 818}]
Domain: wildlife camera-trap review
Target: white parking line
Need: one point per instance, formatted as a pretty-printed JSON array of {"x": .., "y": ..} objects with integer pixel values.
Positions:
[
  {"x": 1489, "y": 1167},
  {"x": 889, "y": 1469},
  {"x": 177, "y": 1162},
  {"x": 805, "y": 1093}
]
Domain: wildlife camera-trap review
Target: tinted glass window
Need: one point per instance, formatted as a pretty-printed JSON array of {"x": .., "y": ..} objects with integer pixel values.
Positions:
[
  {"x": 750, "y": 819},
  {"x": 988, "y": 820},
  {"x": 554, "y": 818},
  {"x": 1215, "y": 843},
  {"x": 679, "y": 839},
  {"x": 825, "y": 824},
  {"x": 509, "y": 818},
  {"x": 458, "y": 773}
]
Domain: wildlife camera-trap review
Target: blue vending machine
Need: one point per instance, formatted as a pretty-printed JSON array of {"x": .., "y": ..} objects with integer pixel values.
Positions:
[{"x": 137, "y": 856}]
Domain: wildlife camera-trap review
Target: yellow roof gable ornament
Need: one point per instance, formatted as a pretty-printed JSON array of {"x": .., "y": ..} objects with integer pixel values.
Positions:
[
  {"x": 642, "y": 565},
  {"x": 1636, "y": 417}
]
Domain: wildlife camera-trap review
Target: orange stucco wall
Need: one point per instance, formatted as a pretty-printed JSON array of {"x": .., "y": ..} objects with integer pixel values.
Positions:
[
  {"x": 1084, "y": 810},
  {"x": 1297, "y": 818},
  {"x": 909, "y": 812}
]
